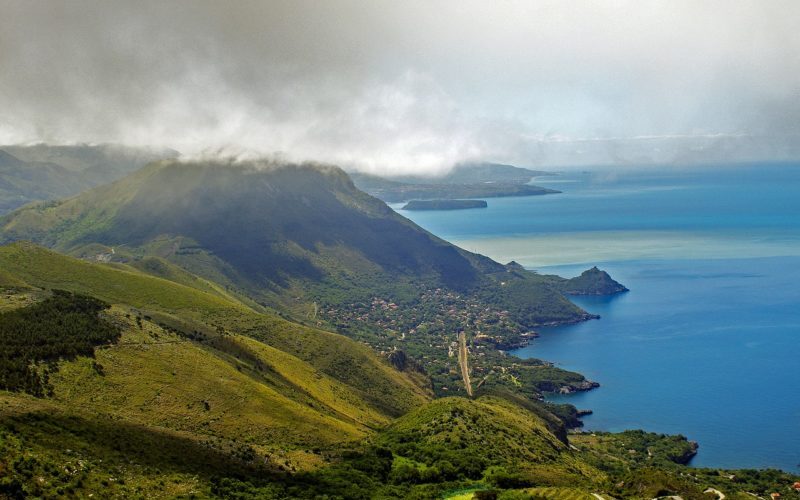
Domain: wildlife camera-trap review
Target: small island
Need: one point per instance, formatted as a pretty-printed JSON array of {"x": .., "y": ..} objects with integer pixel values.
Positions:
[{"x": 444, "y": 204}]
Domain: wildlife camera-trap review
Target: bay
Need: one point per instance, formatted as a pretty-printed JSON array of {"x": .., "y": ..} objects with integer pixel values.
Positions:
[{"x": 706, "y": 343}]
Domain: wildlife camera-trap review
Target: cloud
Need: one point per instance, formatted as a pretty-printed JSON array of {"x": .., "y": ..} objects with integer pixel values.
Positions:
[{"x": 401, "y": 86}]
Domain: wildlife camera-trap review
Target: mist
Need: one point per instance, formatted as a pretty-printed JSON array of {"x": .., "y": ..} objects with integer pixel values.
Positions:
[{"x": 400, "y": 87}]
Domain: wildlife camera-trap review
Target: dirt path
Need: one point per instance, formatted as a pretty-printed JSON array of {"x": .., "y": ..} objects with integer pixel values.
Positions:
[
  {"x": 720, "y": 495},
  {"x": 463, "y": 361}
]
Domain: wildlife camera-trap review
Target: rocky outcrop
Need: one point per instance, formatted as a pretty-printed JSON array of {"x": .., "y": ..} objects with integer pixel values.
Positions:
[
  {"x": 591, "y": 282},
  {"x": 585, "y": 385}
]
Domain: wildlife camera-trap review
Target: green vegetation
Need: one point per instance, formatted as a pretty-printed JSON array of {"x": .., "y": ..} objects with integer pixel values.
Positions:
[
  {"x": 487, "y": 437},
  {"x": 325, "y": 256},
  {"x": 591, "y": 282},
  {"x": 205, "y": 317},
  {"x": 200, "y": 395},
  {"x": 33, "y": 339},
  {"x": 635, "y": 448},
  {"x": 191, "y": 358}
]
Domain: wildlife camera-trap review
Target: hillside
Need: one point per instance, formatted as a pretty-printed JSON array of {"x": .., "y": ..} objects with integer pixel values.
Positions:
[
  {"x": 486, "y": 432},
  {"x": 265, "y": 229},
  {"x": 22, "y": 182},
  {"x": 44, "y": 172},
  {"x": 591, "y": 282},
  {"x": 169, "y": 389},
  {"x": 303, "y": 240},
  {"x": 205, "y": 317},
  {"x": 101, "y": 163}
]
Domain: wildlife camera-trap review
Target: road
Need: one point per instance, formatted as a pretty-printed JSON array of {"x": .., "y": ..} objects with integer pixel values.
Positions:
[{"x": 463, "y": 361}]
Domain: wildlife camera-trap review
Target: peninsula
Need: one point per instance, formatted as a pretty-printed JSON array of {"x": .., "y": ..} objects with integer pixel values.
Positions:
[{"x": 444, "y": 204}]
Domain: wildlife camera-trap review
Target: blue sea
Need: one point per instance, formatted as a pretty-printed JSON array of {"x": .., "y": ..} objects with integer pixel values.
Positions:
[{"x": 707, "y": 341}]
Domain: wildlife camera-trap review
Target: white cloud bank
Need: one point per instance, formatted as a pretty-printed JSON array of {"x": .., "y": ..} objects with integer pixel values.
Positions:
[{"x": 409, "y": 86}]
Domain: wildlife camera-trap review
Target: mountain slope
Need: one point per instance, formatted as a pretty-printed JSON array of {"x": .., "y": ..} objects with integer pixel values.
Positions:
[
  {"x": 271, "y": 230},
  {"x": 301, "y": 239},
  {"x": 43, "y": 172},
  {"x": 203, "y": 374},
  {"x": 211, "y": 319},
  {"x": 22, "y": 182},
  {"x": 99, "y": 163}
]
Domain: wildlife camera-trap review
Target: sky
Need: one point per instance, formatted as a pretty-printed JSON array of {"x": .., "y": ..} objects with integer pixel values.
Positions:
[{"x": 411, "y": 86}]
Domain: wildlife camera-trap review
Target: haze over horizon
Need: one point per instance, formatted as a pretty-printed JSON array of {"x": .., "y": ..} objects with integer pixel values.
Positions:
[{"x": 394, "y": 87}]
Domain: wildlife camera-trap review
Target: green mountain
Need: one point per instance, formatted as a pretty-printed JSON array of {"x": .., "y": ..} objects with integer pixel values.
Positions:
[
  {"x": 272, "y": 231},
  {"x": 302, "y": 239},
  {"x": 44, "y": 172}
]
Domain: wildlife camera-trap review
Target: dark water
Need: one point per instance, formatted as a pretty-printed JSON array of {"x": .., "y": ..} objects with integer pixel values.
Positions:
[{"x": 707, "y": 342}]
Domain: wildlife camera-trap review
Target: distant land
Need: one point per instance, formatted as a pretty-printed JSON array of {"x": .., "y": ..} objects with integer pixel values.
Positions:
[
  {"x": 591, "y": 282},
  {"x": 41, "y": 172},
  {"x": 464, "y": 181},
  {"x": 397, "y": 192},
  {"x": 475, "y": 173},
  {"x": 444, "y": 204}
]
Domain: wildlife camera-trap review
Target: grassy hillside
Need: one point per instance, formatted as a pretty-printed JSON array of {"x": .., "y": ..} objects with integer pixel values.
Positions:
[
  {"x": 157, "y": 377},
  {"x": 208, "y": 317},
  {"x": 487, "y": 436},
  {"x": 200, "y": 371}
]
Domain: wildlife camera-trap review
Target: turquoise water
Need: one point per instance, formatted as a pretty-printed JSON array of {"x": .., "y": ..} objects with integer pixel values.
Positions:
[{"x": 707, "y": 342}]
